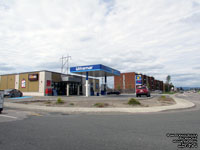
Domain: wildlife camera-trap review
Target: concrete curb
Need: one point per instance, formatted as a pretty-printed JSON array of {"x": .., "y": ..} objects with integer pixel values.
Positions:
[{"x": 180, "y": 104}]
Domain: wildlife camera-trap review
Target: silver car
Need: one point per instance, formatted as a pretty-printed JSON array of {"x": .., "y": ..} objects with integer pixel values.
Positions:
[{"x": 1, "y": 100}]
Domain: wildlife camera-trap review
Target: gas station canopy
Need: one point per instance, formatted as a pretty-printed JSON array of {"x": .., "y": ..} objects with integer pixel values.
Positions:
[{"x": 98, "y": 70}]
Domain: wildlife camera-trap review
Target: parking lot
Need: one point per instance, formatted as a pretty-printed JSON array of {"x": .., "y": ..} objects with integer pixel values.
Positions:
[{"x": 78, "y": 98}]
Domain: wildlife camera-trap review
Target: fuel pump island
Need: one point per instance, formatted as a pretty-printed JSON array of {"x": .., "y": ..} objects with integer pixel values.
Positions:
[{"x": 98, "y": 70}]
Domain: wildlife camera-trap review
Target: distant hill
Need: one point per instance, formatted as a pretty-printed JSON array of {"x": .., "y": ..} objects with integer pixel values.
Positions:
[{"x": 189, "y": 88}]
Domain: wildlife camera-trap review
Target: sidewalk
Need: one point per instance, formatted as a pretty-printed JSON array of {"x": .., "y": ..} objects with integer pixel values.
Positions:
[{"x": 180, "y": 104}]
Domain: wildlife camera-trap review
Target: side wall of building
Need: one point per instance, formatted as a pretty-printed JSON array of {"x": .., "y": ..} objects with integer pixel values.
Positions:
[
  {"x": 24, "y": 84},
  {"x": 7, "y": 82},
  {"x": 126, "y": 82},
  {"x": 32, "y": 88}
]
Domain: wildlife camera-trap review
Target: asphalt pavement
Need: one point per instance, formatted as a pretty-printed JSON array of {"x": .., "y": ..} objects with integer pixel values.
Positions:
[{"x": 50, "y": 131}]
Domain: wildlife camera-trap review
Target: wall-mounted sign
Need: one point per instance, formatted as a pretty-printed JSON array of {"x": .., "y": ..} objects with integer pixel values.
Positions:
[
  {"x": 138, "y": 79},
  {"x": 33, "y": 77},
  {"x": 23, "y": 83}
]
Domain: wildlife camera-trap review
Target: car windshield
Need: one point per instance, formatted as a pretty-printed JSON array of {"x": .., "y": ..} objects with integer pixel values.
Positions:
[
  {"x": 8, "y": 90},
  {"x": 141, "y": 87}
]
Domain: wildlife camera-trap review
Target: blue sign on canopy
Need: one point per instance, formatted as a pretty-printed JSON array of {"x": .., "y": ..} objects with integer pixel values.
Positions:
[{"x": 95, "y": 70}]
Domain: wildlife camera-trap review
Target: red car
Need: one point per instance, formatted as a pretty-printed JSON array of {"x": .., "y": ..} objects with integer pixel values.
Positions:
[{"x": 142, "y": 90}]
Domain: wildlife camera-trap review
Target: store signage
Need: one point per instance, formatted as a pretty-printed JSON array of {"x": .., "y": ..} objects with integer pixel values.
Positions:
[
  {"x": 138, "y": 79},
  {"x": 33, "y": 77},
  {"x": 23, "y": 83},
  {"x": 84, "y": 68}
]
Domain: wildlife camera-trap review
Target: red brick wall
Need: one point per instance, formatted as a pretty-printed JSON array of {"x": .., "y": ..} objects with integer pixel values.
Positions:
[
  {"x": 118, "y": 83},
  {"x": 129, "y": 81}
]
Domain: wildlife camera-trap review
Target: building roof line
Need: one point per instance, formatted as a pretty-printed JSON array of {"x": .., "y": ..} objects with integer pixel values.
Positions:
[{"x": 33, "y": 72}]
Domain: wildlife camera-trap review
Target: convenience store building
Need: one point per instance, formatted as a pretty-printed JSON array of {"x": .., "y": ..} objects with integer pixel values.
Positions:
[{"x": 41, "y": 83}]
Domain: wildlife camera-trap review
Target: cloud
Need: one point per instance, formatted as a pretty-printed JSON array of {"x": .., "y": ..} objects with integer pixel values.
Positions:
[
  {"x": 198, "y": 67},
  {"x": 157, "y": 38},
  {"x": 6, "y": 67}
]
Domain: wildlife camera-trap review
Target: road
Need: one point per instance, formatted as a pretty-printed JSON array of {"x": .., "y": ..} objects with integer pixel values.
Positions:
[{"x": 48, "y": 131}]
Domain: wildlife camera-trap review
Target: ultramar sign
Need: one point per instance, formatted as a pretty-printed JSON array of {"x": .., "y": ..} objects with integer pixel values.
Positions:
[{"x": 84, "y": 68}]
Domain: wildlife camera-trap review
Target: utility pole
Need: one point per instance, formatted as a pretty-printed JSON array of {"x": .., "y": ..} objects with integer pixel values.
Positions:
[
  {"x": 68, "y": 58},
  {"x": 65, "y": 60}
]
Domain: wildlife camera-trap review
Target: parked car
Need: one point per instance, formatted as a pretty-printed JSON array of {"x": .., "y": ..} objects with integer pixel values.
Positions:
[
  {"x": 113, "y": 92},
  {"x": 12, "y": 93},
  {"x": 1, "y": 100},
  {"x": 142, "y": 90}
]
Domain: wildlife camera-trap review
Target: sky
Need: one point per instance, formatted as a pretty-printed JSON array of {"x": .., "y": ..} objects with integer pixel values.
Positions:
[{"x": 154, "y": 37}]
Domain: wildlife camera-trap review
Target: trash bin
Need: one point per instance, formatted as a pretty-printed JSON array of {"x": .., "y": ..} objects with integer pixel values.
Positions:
[{"x": 1, "y": 100}]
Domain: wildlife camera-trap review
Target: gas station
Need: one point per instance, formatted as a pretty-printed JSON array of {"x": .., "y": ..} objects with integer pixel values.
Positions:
[{"x": 98, "y": 70}]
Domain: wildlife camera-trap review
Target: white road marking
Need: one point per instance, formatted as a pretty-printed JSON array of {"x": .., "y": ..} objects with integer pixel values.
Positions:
[{"x": 8, "y": 116}]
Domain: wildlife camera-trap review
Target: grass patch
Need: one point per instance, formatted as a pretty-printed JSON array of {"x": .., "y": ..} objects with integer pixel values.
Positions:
[
  {"x": 168, "y": 92},
  {"x": 133, "y": 101},
  {"x": 163, "y": 97},
  {"x": 71, "y": 104},
  {"x": 59, "y": 101},
  {"x": 47, "y": 102},
  {"x": 100, "y": 104}
]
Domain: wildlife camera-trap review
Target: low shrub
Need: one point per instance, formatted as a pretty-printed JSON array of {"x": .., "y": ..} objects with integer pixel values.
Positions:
[
  {"x": 47, "y": 102},
  {"x": 72, "y": 104},
  {"x": 133, "y": 101},
  {"x": 169, "y": 92},
  {"x": 59, "y": 101},
  {"x": 163, "y": 97},
  {"x": 100, "y": 104}
]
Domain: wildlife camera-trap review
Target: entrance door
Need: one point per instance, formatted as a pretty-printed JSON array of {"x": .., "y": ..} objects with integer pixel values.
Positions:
[
  {"x": 60, "y": 87},
  {"x": 73, "y": 88}
]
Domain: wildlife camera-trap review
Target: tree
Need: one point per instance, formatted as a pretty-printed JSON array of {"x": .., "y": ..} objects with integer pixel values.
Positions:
[
  {"x": 168, "y": 79},
  {"x": 168, "y": 85},
  {"x": 118, "y": 87}
]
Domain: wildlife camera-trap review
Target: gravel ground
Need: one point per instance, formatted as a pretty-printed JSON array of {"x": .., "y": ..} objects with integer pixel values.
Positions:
[{"x": 154, "y": 101}]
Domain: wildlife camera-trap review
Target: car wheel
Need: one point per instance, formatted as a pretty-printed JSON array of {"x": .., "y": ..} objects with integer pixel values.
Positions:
[
  {"x": 136, "y": 95},
  {"x": 1, "y": 109}
]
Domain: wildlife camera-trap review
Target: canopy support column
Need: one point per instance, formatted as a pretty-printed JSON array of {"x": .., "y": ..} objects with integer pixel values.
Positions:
[
  {"x": 105, "y": 89},
  {"x": 87, "y": 85}
]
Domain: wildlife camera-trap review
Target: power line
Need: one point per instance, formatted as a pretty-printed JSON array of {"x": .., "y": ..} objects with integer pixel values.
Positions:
[{"x": 65, "y": 60}]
